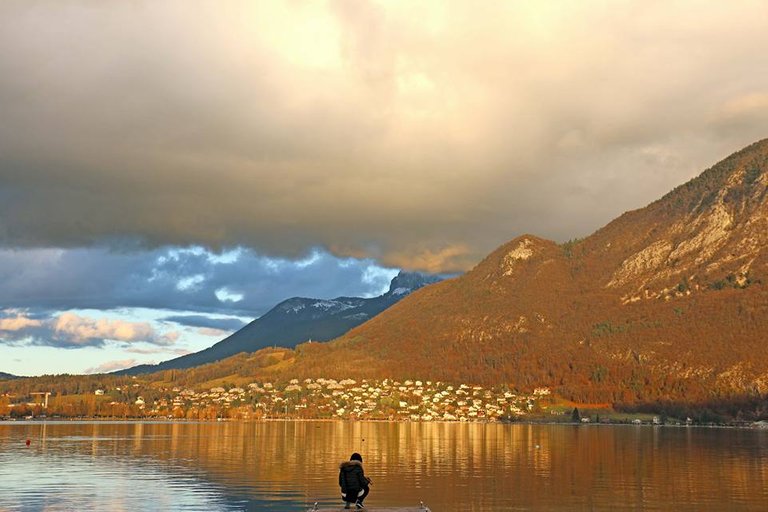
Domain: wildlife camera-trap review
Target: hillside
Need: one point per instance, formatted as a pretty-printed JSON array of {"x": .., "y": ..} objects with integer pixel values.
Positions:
[
  {"x": 664, "y": 307},
  {"x": 295, "y": 321},
  {"x": 7, "y": 376},
  {"x": 666, "y": 303}
]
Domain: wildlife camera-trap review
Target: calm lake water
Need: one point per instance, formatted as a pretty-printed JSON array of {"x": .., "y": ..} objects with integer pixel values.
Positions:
[{"x": 287, "y": 466}]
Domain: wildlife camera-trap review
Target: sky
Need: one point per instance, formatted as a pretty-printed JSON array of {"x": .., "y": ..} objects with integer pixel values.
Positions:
[{"x": 171, "y": 170}]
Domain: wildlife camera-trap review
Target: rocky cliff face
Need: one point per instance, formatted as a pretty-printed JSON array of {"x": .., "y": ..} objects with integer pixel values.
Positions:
[
  {"x": 712, "y": 229},
  {"x": 668, "y": 302},
  {"x": 701, "y": 250}
]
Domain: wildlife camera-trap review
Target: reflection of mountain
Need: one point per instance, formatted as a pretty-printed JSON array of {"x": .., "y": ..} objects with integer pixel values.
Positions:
[
  {"x": 452, "y": 467},
  {"x": 298, "y": 320},
  {"x": 665, "y": 303}
]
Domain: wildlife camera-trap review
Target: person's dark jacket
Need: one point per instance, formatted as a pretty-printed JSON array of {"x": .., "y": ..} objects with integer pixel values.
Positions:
[{"x": 351, "y": 477}]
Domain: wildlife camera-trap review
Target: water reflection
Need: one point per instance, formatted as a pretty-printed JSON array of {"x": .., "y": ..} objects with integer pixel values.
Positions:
[{"x": 451, "y": 467}]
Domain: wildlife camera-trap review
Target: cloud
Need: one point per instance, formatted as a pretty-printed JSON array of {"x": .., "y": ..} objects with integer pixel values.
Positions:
[
  {"x": 384, "y": 129},
  {"x": 458, "y": 256},
  {"x": 111, "y": 366},
  {"x": 70, "y": 330},
  {"x": 217, "y": 324},
  {"x": 742, "y": 111},
  {"x": 158, "y": 350},
  {"x": 83, "y": 330},
  {"x": 214, "y": 333},
  {"x": 183, "y": 279},
  {"x": 19, "y": 322}
]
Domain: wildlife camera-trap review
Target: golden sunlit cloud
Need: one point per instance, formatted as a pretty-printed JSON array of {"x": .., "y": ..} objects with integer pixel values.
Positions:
[
  {"x": 71, "y": 330},
  {"x": 450, "y": 259},
  {"x": 83, "y": 329},
  {"x": 386, "y": 128},
  {"x": 18, "y": 322}
]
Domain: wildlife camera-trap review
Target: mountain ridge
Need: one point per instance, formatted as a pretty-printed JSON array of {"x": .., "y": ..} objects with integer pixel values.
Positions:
[
  {"x": 297, "y": 320},
  {"x": 664, "y": 308},
  {"x": 666, "y": 302}
]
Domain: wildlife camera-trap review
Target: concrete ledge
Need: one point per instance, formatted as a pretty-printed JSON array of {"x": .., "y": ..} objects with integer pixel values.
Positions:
[{"x": 373, "y": 509}]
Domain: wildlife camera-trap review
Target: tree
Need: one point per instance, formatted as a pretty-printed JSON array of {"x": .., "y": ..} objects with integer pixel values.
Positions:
[
  {"x": 575, "y": 415},
  {"x": 5, "y": 408}
]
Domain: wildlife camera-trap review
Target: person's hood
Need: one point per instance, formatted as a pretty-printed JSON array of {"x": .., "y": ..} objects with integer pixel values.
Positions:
[{"x": 349, "y": 465}]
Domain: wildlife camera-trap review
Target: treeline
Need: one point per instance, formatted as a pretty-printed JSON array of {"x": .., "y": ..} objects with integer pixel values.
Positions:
[
  {"x": 743, "y": 408},
  {"x": 95, "y": 409},
  {"x": 64, "y": 384}
]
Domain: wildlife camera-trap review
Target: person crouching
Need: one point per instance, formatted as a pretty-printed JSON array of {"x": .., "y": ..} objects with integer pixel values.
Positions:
[{"x": 353, "y": 482}]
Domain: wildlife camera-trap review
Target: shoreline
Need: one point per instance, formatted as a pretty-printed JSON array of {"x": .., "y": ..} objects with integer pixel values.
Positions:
[{"x": 759, "y": 425}]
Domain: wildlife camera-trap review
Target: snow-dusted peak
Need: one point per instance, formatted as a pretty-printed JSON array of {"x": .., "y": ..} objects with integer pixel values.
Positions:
[{"x": 293, "y": 305}]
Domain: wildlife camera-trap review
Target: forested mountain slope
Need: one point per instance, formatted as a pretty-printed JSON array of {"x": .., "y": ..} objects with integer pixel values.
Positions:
[{"x": 668, "y": 302}]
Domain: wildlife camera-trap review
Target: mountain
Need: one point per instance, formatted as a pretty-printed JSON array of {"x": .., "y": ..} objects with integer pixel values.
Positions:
[
  {"x": 7, "y": 376},
  {"x": 298, "y": 320},
  {"x": 666, "y": 303}
]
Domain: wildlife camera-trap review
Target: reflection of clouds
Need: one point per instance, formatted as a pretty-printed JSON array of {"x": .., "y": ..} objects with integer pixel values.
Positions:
[
  {"x": 538, "y": 448},
  {"x": 59, "y": 478},
  {"x": 282, "y": 465}
]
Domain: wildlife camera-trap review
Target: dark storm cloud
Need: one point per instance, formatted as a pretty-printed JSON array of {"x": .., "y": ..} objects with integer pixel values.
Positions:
[
  {"x": 422, "y": 135},
  {"x": 237, "y": 282}
]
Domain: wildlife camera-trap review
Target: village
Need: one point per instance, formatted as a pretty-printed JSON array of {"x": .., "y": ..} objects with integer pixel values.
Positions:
[
  {"x": 348, "y": 399},
  {"x": 388, "y": 400},
  {"x": 391, "y": 400}
]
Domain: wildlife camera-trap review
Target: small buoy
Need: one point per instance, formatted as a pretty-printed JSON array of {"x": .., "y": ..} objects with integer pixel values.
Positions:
[
  {"x": 29, "y": 442},
  {"x": 538, "y": 446}
]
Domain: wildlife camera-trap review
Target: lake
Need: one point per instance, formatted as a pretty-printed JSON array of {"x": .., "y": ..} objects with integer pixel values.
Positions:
[{"x": 287, "y": 466}]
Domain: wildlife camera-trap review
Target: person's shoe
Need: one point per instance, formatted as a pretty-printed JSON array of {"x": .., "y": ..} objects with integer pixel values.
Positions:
[
  {"x": 348, "y": 505},
  {"x": 359, "y": 505}
]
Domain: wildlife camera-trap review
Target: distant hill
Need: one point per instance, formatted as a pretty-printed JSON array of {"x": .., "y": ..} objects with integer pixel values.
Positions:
[
  {"x": 7, "y": 376},
  {"x": 666, "y": 303},
  {"x": 295, "y": 321}
]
